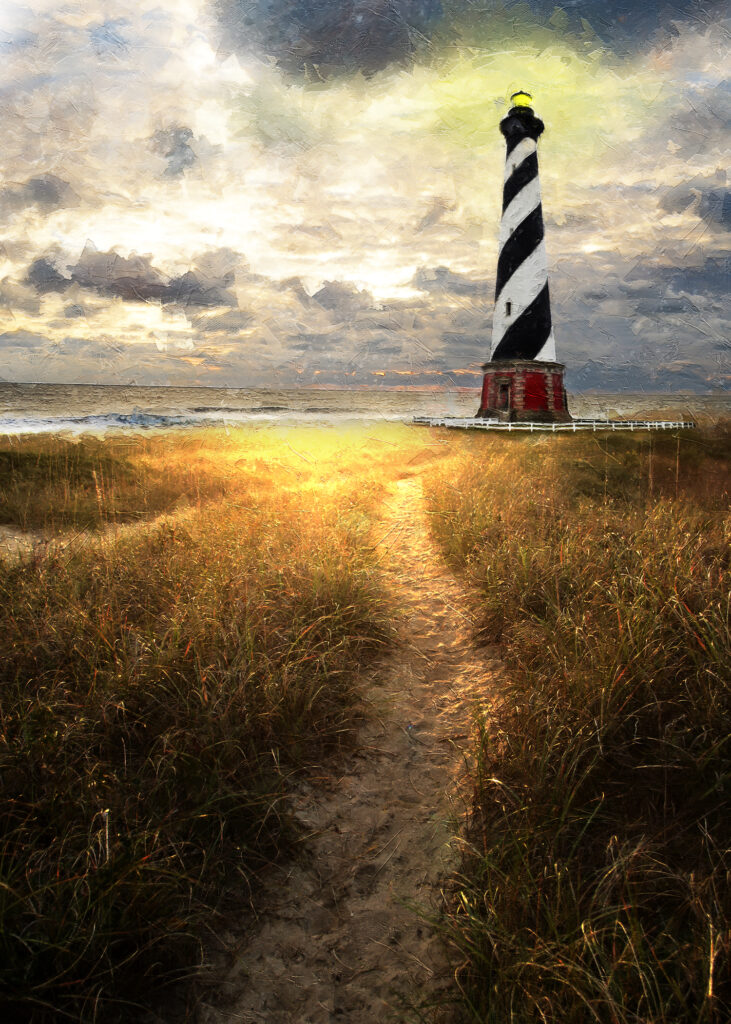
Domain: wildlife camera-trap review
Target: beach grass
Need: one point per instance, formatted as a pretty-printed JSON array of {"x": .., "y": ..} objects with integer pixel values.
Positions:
[
  {"x": 160, "y": 687},
  {"x": 595, "y": 877},
  {"x": 53, "y": 483},
  {"x": 189, "y": 636}
]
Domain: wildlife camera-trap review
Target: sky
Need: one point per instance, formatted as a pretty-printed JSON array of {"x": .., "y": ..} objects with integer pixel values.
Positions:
[{"x": 298, "y": 193}]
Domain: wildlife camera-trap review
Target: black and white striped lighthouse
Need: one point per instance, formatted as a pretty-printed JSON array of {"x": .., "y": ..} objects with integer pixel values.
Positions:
[{"x": 522, "y": 381}]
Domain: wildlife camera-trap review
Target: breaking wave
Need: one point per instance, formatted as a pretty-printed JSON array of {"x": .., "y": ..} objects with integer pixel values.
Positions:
[{"x": 200, "y": 416}]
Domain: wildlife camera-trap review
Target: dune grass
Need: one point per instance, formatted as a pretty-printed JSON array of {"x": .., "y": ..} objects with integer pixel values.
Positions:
[
  {"x": 595, "y": 877},
  {"x": 55, "y": 483},
  {"x": 158, "y": 688}
]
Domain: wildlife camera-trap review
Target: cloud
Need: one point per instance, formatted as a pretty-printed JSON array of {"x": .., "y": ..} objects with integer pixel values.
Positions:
[
  {"x": 342, "y": 299},
  {"x": 704, "y": 195},
  {"x": 45, "y": 277},
  {"x": 623, "y": 27},
  {"x": 710, "y": 279},
  {"x": 665, "y": 318},
  {"x": 327, "y": 36},
  {"x": 367, "y": 201},
  {"x": 442, "y": 279},
  {"x": 16, "y": 296},
  {"x": 715, "y": 205},
  {"x": 12, "y": 340},
  {"x": 109, "y": 38},
  {"x": 174, "y": 144},
  {"x": 134, "y": 278},
  {"x": 231, "y": 321},
  {"x": 634, "y": 377},
  {"x": 695, "y": 121},
  {"x": 131, "y": 277},
  {"x": 196, "y": 288},
  {"x": 45, "y": 192}
]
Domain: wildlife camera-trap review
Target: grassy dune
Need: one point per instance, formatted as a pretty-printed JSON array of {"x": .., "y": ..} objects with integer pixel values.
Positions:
[
  {"x": 162, "y": 682},
  {"x": 51, "y": 483},
  {"x": 160, "y": 685},
  {"x": 595, "y": 880}
]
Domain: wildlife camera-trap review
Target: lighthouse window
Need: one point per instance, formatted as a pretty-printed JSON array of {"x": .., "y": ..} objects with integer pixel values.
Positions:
[{"x": 508, "y": 307}]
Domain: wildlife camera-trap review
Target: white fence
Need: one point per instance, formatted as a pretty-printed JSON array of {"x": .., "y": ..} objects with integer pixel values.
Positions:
[{"x": 477, "y": 423}]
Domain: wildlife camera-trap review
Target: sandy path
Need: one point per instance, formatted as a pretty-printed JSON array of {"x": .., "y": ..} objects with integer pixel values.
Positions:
[{"x": 336, "y": 944}]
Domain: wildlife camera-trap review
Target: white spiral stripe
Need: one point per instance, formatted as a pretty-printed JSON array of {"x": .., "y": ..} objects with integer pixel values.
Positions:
[
  {"x": 524, "y": 148},
  {"x": 520, "y": 290},
  {"x": 527, "y": 280},
  {"x": 548, "y": 352},
  {"x": 524, "y": 203}
]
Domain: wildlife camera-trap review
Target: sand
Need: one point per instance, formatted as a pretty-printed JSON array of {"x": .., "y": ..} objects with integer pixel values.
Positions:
[
  {"x": 15, "y": 542},
  {"x": 337, "y": 940}
]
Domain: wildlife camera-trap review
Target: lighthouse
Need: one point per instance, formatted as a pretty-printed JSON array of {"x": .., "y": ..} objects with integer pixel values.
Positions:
[{"x": 522, "y": 382}]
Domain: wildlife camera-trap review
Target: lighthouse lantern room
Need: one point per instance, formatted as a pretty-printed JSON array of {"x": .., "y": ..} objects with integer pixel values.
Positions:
[{"x": 522, "y": 382}]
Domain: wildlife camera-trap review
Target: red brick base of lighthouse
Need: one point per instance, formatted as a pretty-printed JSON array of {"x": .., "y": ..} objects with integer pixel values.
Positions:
[{"x": 524, "y": 391}]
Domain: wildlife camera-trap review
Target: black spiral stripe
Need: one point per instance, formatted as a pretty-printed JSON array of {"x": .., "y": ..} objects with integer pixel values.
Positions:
[
  {"x": 518, "y": 247},
  {"x": 525, "y": 338},
  {"x": 520, "y": 177}
]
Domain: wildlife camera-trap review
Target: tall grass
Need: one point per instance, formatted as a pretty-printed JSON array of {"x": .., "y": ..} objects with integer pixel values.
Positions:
[
  {"x": 595, "y": 878},
  {"x": 54, "y": 483},
  {"x": 157, "y": 690}
]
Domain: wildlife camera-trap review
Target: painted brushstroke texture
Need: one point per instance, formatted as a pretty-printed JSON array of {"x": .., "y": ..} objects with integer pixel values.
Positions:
[{"x": 263, "y": 192}]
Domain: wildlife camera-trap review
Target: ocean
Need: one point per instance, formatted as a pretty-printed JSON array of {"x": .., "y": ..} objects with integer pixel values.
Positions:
[{"x": 100, "y": 409}]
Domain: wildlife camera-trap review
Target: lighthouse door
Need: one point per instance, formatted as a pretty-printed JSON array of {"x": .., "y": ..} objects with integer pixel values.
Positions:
[{"x": 503, "y": 396}]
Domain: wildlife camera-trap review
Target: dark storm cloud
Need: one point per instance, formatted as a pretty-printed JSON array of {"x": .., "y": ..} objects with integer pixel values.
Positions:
[
  {"x": 134, "y": 278},
  {"x": 46, "y": 192},
  {"x": 174, "y": 144},
  {"x": 330, "y": 35},
  {"x": 624, "y": 26},
  {"x": 323, "y": 37},
  {"x": 619, "y": 21}
]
